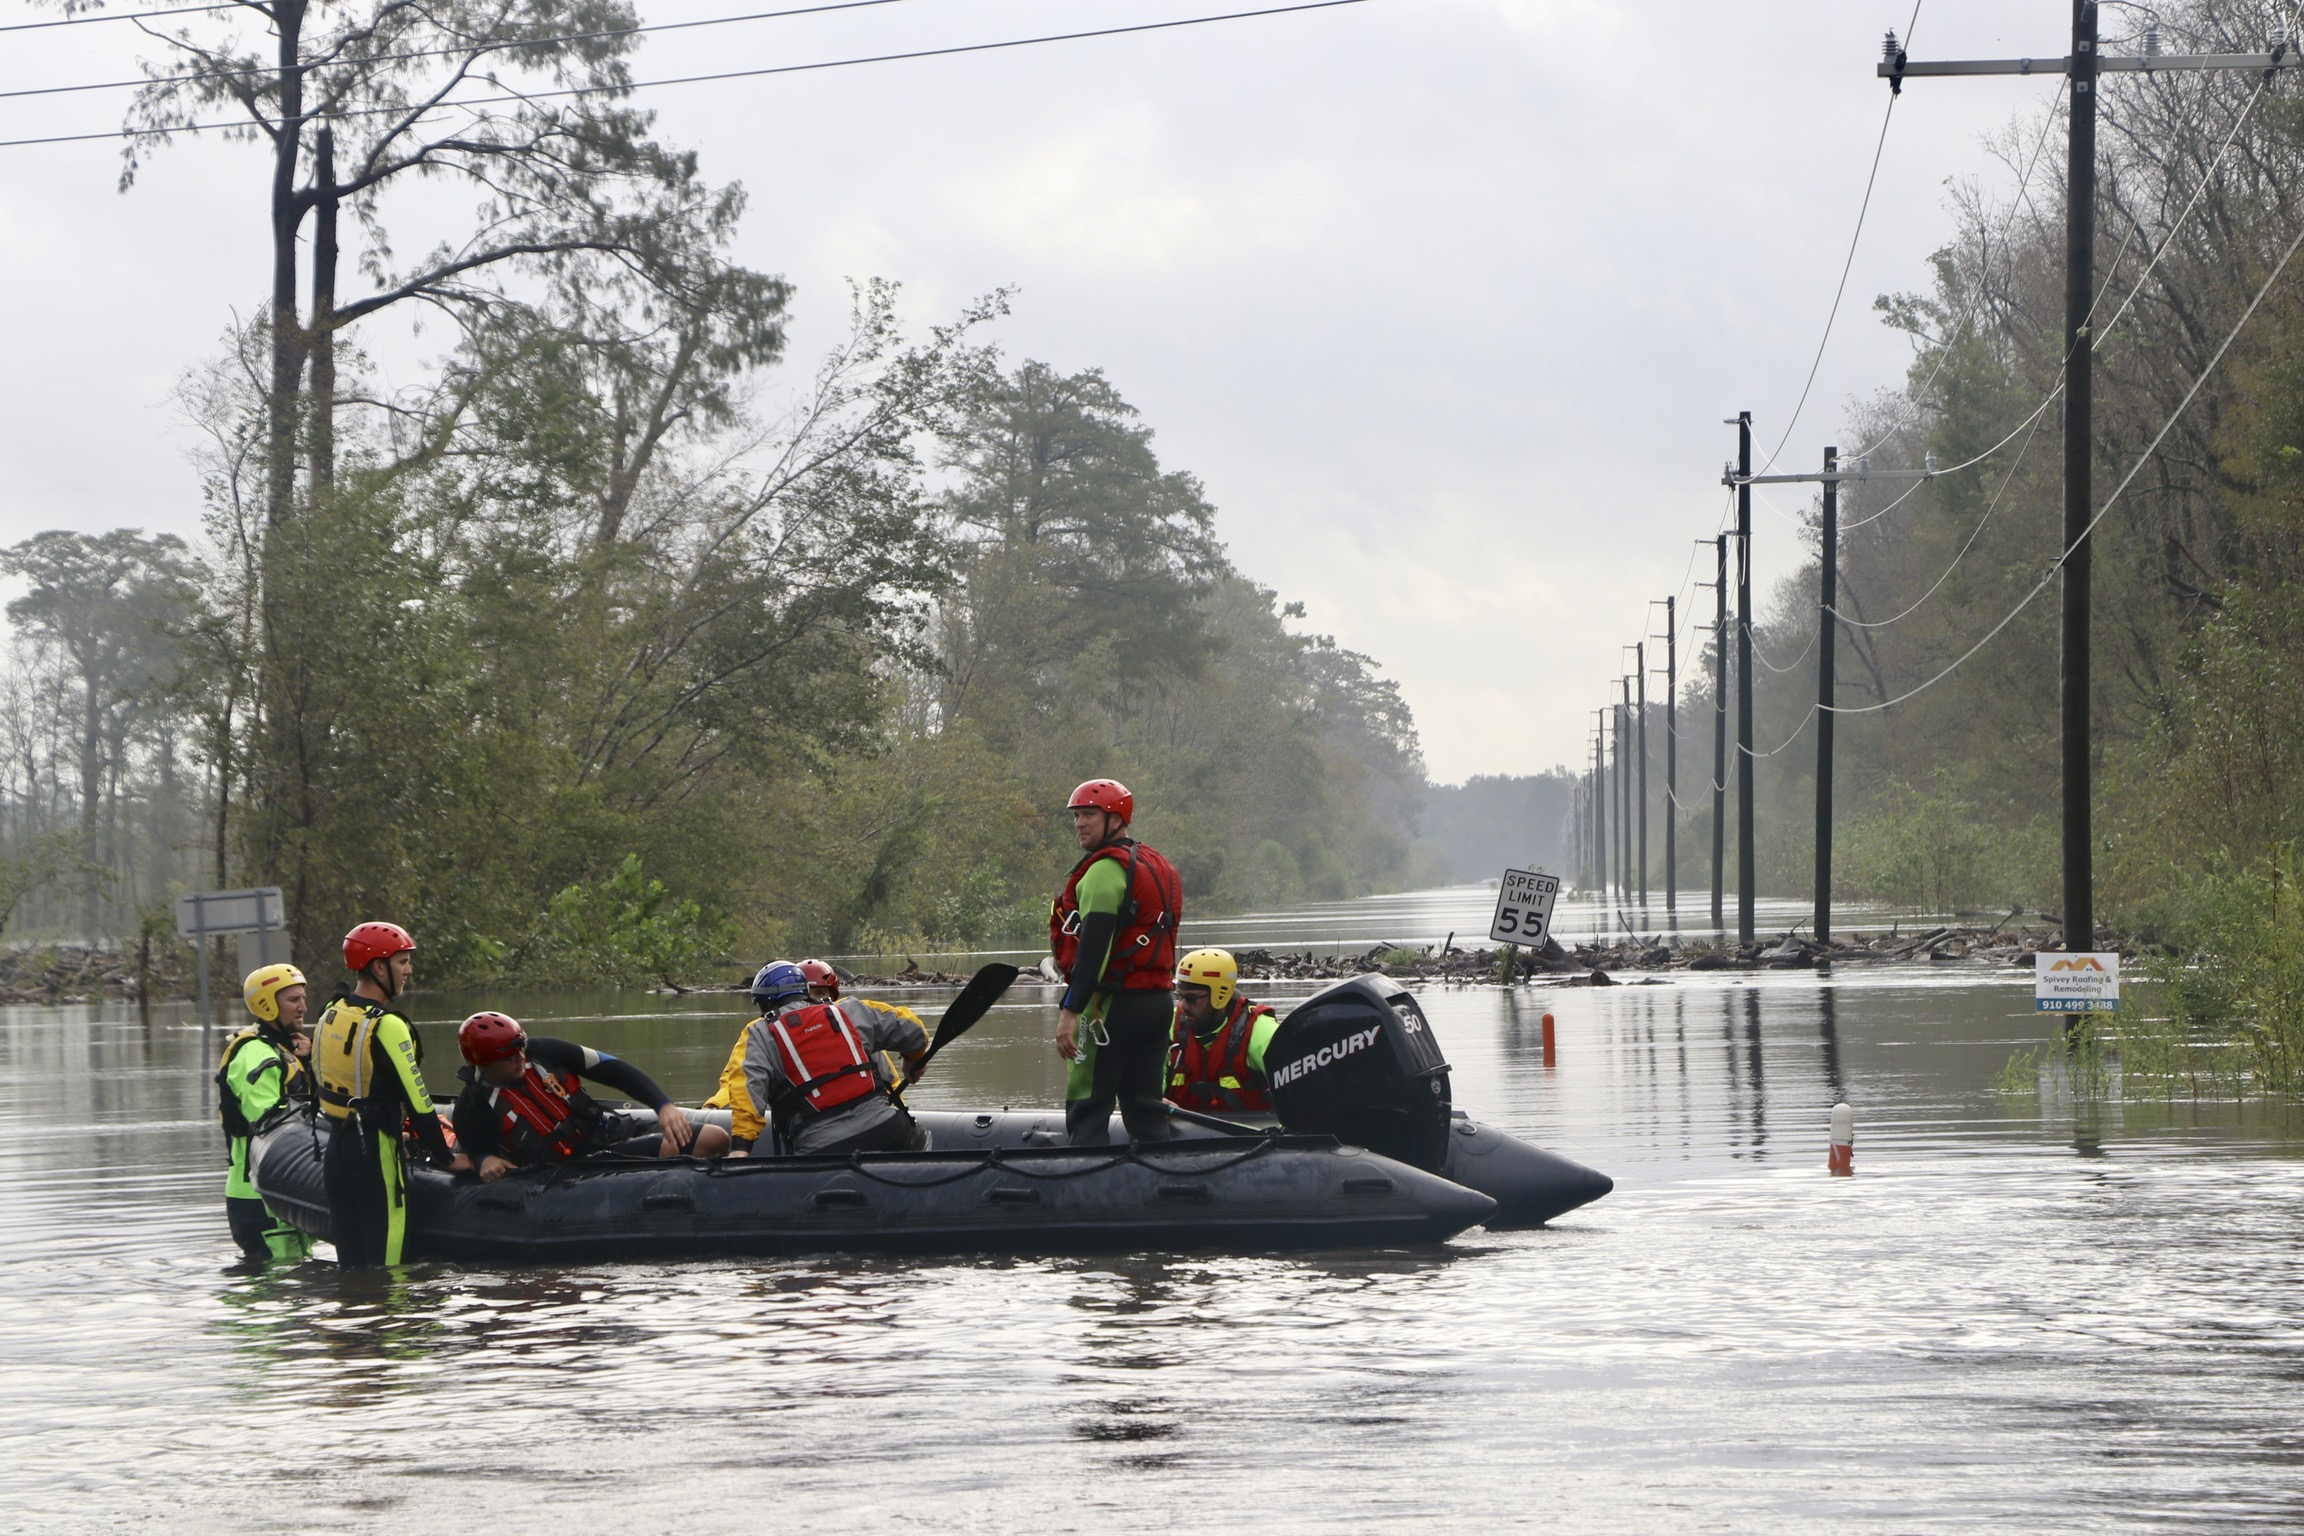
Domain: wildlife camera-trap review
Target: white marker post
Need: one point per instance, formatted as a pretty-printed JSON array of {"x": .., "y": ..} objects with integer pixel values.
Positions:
[
  {"x": 2076, "y": 983},
  {"x": 1524, "y": 908}
]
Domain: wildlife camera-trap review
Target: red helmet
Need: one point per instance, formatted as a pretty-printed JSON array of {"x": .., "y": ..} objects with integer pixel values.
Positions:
[
  {"x": 487, "y": 1037},
  {"x": 820, "y": 974},
  {"x": 1104, "y": 795},
  {"x": 371, "y": 942}
]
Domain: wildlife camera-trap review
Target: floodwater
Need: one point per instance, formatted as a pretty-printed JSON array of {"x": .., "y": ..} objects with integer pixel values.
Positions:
[{"x": 2030, "y": 1316}]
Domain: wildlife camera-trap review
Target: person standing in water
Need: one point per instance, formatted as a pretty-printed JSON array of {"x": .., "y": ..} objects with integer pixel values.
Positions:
[
  {"x": 371, "y": 1070},
  {"x": 1112, "y": 932},
  {"x": 261, "y": 1081}
]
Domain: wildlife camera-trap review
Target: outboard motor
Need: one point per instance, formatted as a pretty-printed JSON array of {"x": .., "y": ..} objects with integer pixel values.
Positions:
[{"x": 1357, "y": 1061}]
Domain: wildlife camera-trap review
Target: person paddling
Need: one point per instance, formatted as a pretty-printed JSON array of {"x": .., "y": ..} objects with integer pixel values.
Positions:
[
  {"x": 521, "y": 1105},
  {"x": 1216, "y": 1057},
  {"x": 371, "y": 1069},
  {"x": 261, "y": 1081},
  {"x": 1112, "y": 932}
]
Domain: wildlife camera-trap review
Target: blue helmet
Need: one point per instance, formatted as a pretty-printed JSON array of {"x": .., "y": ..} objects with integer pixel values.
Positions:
[{"x": 779, "y": 982}]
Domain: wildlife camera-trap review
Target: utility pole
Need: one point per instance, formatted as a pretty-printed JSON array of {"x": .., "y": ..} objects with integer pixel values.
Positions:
[
  {"x": 1640, "y": 746},
  {"x": 2084, "y": 66},
  {"x": 1617, "y": 797},
  {"x": 1829, "y": 601},
  {"x": 1745, "y": 884},
  {"x": 1827, "y": 614},
  {"x": 1672, "y": 762},
  {"x": 1623, "y": 793},
  {"x": 1599, "y": 806},
  {"x": 1720, "y": 734}
]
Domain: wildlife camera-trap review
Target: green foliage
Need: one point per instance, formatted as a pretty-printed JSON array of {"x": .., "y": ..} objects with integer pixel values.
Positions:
[
  {"x": 628, "y": 928},
  {"x": 1936, "y": 850},
  {"x": 2019, "y": 1075},
  {"x": 2233, "y": 980}
]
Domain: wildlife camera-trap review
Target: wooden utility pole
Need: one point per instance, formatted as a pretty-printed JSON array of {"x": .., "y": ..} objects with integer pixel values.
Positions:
[
  {"x": 1746, "y": 885},
  {"x": 1640, "y": 734},
  {"x": 1827, "y": 615},
  {"x": 1671, "y": 762},
  {"x": 1720, "y": 735},
  {"x": 2084, "y": 67}
]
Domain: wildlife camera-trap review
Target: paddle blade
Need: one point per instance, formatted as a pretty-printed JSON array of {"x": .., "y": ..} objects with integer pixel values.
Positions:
[{"x": 975, "y": 1000}]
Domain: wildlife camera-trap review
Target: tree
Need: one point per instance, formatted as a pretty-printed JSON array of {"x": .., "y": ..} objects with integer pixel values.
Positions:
[{"x": 114, "y": 605}]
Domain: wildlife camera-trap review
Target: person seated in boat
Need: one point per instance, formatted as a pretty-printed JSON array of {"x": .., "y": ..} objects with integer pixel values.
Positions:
[
  {"x": 822, "y": 1071},
  {"x": 823, "y": 987},
  {"x": 1216, "y": 1053},
  {"x": 521, "y": 1104}
]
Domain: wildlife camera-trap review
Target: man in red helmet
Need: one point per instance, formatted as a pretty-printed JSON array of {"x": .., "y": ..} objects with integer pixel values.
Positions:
[
  {"x": 1113, "y": 934},
  {"x": 521, "y": 1104},
  {"x": 371, "y": 1070}
]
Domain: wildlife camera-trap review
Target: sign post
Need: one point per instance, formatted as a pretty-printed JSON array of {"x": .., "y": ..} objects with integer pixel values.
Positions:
[
  {"x": 2076, "y": 983},
  {"x": 203, "y": 915},
  {"x": 1524, "y": 908}
]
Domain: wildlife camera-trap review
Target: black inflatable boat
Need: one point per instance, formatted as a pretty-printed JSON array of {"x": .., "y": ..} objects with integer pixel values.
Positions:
[
  {"x": 1529, "y": 1185},
  {"x": 1254, "y": 1193},
  {"x": 1367, "y": 1153}
]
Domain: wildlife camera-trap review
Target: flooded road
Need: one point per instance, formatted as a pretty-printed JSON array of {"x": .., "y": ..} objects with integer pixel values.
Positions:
[{"x": 2034, "y": 1316}]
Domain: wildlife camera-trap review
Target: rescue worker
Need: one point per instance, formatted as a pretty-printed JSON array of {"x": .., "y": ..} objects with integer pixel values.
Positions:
[
  {"x": 1216, "y": 1056},
  {"x": 823, "y": 981},
  {"x": 260, "y": 1081},
  {"x": 1112, "y": 931},
  {"x": 521, "y": 1104},
  {"x": 371, "y": 1070},
  {"x": 822, "y": 1074},
  {"x": 823, "y": 987}
]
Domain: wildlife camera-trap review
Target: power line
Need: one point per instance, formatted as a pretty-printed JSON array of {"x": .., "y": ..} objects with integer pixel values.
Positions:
[
  {"x": 2110, "y": 502},
  {"x": 89, "y": 21},
  {"x": 1953, "y": 469},
  {"x": 731, "y": 74},
  {"x": 2023, "y": 188},
  {"x": 1974, "y": 534},
  {"x": 489, "y": 46},
  {"x": 1833, "y": 315}
]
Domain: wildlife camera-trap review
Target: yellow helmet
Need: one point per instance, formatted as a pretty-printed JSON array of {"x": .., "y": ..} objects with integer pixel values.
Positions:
[
  {"x": 1214, "y": 969},
  {"x": 263, "y": 987}
]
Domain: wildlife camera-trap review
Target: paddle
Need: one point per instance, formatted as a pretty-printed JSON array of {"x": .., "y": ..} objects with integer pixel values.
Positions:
[
  {"x": 975, "y": 1000},
  {"x": 1178, "y": 1112}
]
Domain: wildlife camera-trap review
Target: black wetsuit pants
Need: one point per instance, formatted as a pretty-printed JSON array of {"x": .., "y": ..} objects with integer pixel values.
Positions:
[
  {"x": 1131, "y": 1071},
  {"x": 367, "y": 1195}
]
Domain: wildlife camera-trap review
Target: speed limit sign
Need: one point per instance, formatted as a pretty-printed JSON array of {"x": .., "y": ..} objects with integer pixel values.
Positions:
[{"x": 1524, "y": 908}]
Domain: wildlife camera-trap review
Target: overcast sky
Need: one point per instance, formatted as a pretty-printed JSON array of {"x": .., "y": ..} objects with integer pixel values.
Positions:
[{"x": 1445, "y": 300}]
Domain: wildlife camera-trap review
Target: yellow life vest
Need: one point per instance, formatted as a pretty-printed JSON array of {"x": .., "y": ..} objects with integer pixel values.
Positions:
[{"x": 343, "y": 1056}]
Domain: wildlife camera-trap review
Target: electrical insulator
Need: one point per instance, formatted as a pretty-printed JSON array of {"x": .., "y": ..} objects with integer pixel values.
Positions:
[
  {"x": 2151, "y": 42},
  {"x": 2279, "y": 34},
  {"x": 1888, "y": 49},
  {"x": 1928, "y": 462}
]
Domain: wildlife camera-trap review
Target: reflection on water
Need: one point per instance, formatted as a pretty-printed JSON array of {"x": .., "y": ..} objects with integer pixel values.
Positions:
[{"x": 2036, "y": 1316}]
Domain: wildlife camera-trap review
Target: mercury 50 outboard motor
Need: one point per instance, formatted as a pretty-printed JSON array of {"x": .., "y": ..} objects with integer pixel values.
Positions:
[{"x": 1357, "y": 1061}]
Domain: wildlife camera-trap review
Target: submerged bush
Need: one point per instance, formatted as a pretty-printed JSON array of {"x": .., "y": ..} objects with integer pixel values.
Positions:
[
  {"x": 627, "y": 928},
  {"x": 2233, "y": 980}
]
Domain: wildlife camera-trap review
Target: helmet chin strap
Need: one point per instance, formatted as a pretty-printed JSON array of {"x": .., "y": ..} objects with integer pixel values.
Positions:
[{"x": 382, "y": 983}]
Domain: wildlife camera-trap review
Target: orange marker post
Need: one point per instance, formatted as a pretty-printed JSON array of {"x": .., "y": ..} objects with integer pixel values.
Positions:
[{"x": 1548, "y": 1042}]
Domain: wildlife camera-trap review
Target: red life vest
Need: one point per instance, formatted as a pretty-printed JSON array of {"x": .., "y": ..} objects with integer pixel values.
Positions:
[
  {"x": 822, "y": 1058},
  {"x": 541, "y": 1116},
  {"x": 1197, "y": 1068},
  {"x": 1144, "y": 951}
]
